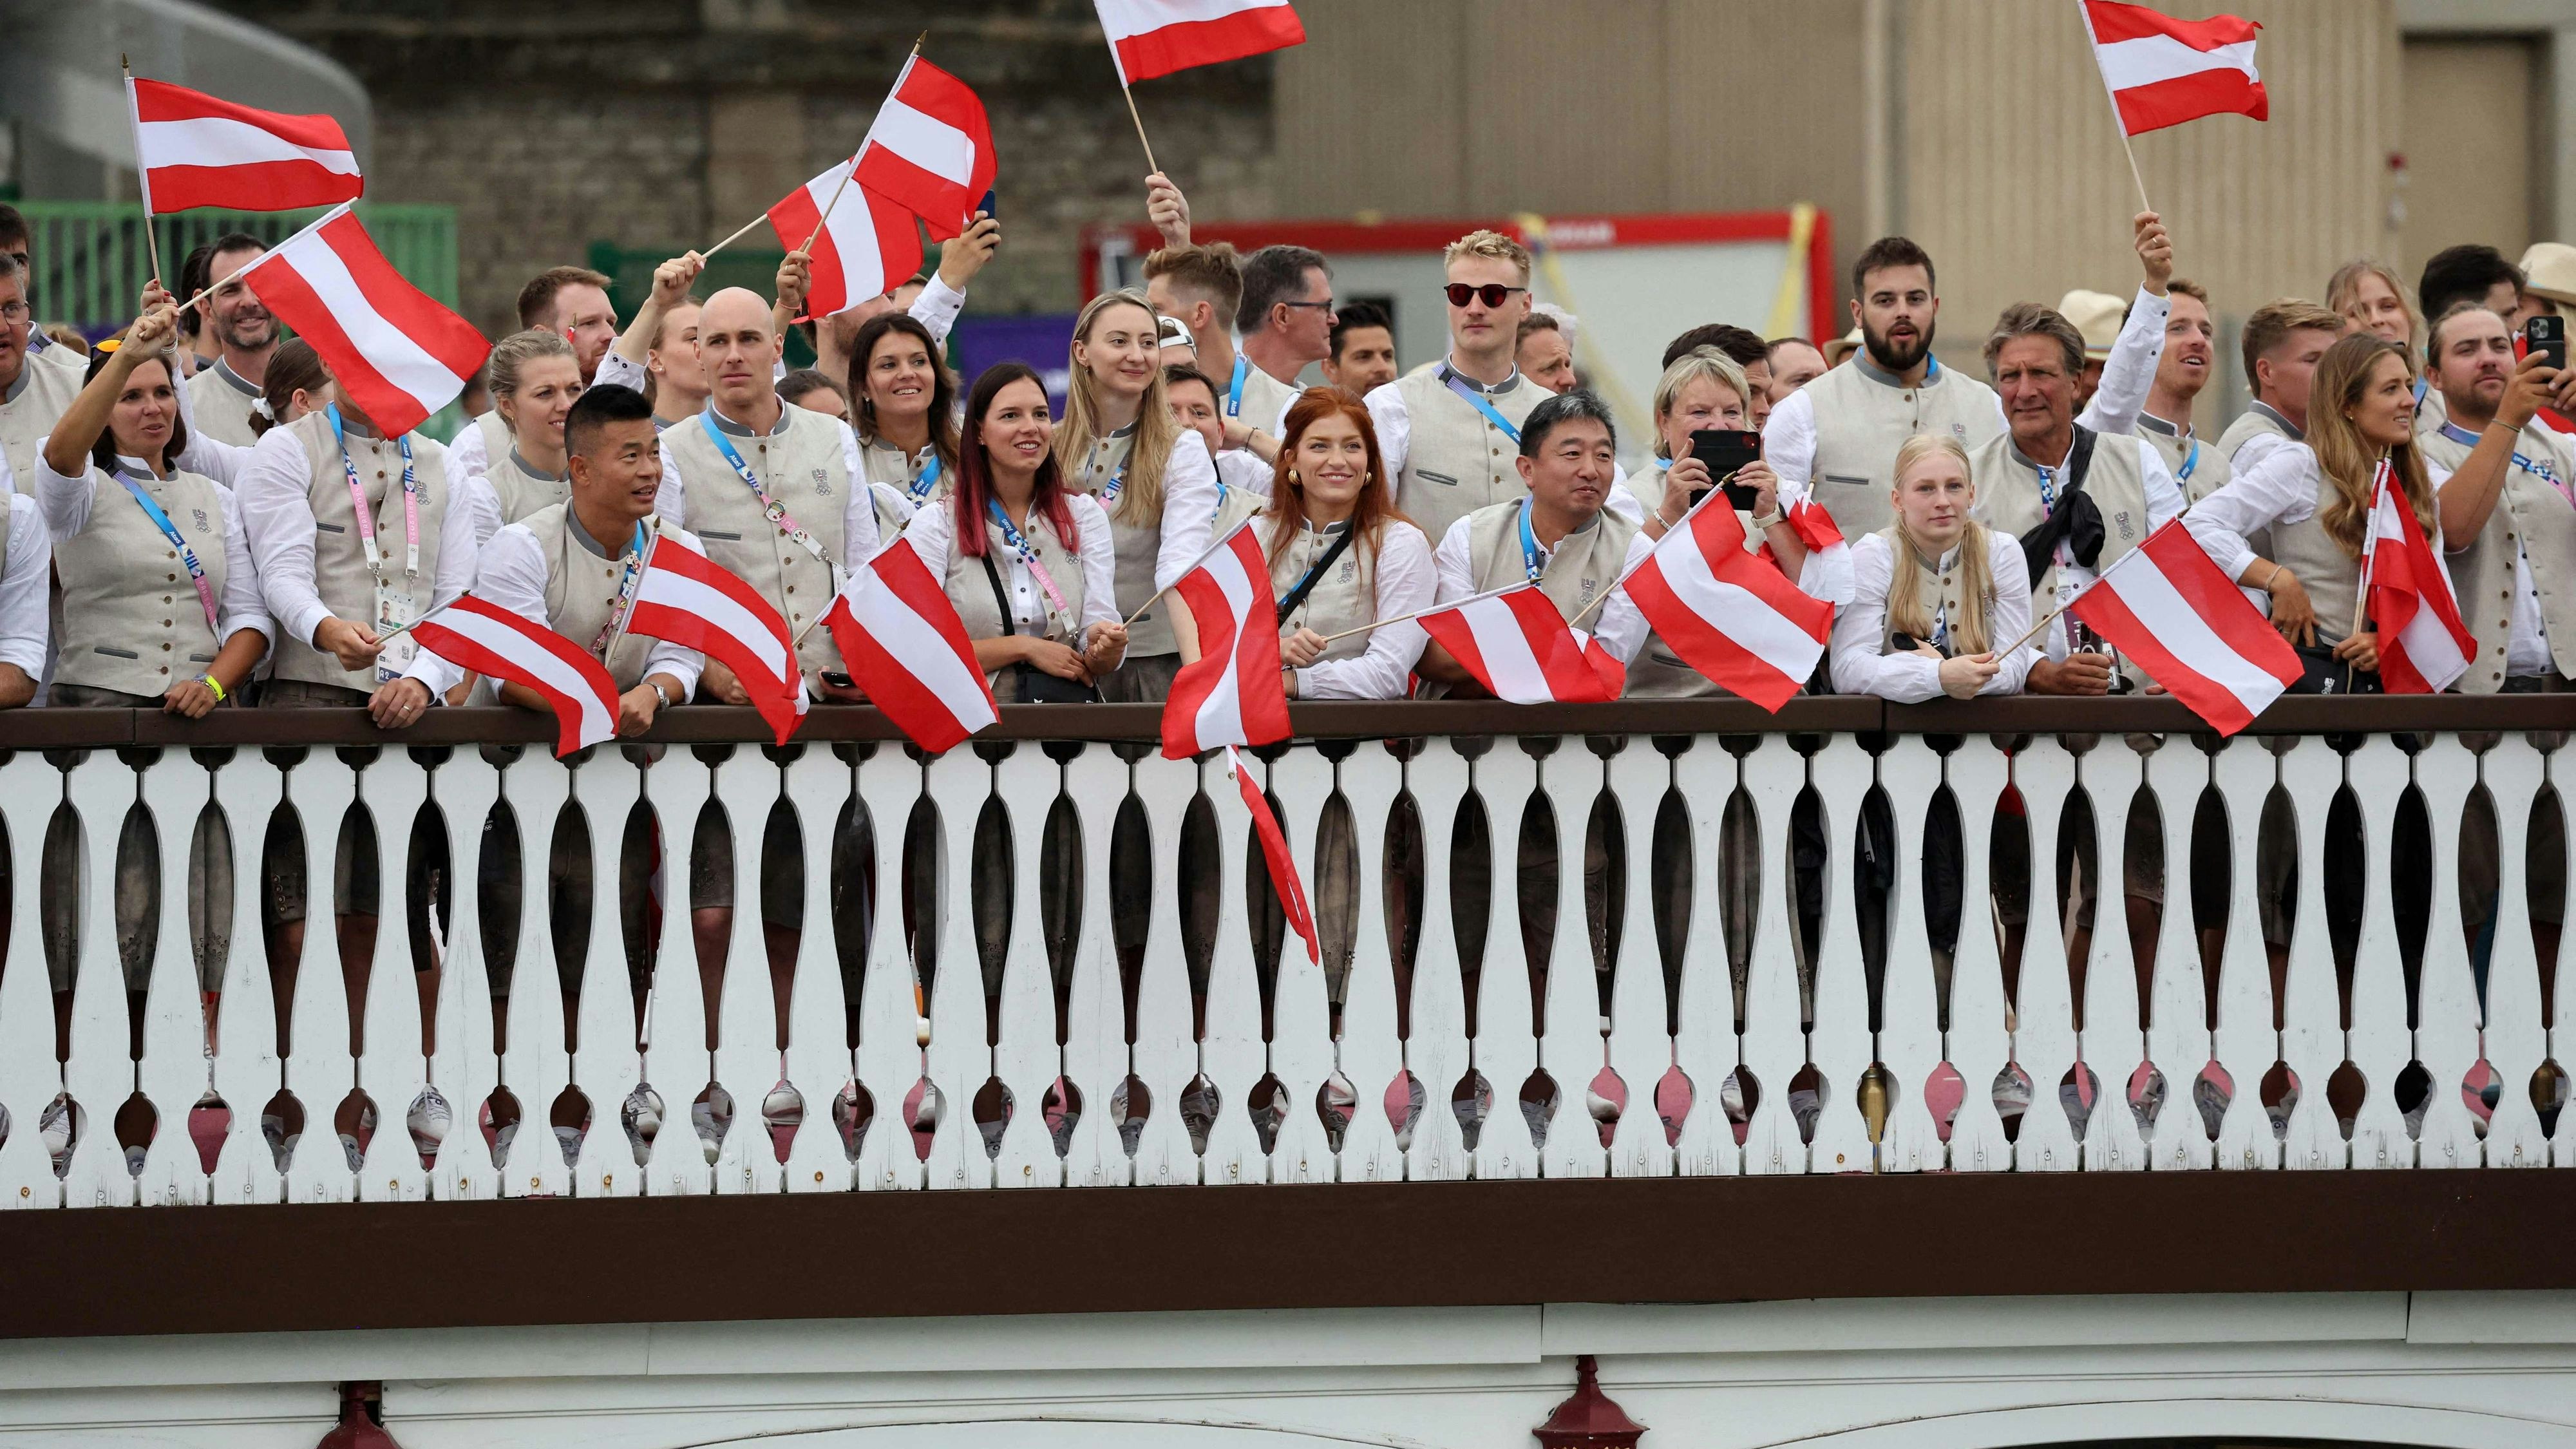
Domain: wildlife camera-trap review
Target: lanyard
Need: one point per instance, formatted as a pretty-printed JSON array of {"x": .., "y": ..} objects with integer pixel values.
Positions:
[
  {"x": 1029, "y": 560},
  {"x": 629, "y": 583},
  {"x": 1234, "y": 389},
  {"x": 926, "y": 480},
  {"x": 1109, "y": 491},
  {"x": 2190, "y": 463},
  {"x": 1492, "y": 414},
  {"x": 170, "y": 531},
  {"x": 1533, "y": 558},
  {"x": 770, "y": 508},
  {"x": 2539, "y": 470},
  {"x": 367, "y": 517}
]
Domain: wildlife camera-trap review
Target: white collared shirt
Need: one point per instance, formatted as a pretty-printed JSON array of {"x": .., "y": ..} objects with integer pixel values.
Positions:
[
  {"x": 1859, "y": 667},
  {"x": 859, "y": 540},
  {"x": 275, "y": 488},
  {"x": 26, "y": 584},
  {"x": 1405, "y": 581},
  {"x": 512, "y": 573},
  {"x": 933, "y": 536}
]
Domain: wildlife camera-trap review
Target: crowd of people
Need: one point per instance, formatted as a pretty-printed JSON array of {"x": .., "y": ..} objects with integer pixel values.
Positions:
[{"x": 199, "y": 517}]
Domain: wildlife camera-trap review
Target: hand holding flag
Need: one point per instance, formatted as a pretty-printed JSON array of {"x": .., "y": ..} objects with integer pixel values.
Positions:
[
  {"x": 1519, "y": 648},
  {"x": 2165, "y": 605},
  {"x": 1231, "y": 694},
  {"x": 490, "y": 640},
  {"x": 907, "y": 648},
  {"x": 2423, "y": 646},
  {"x": 1729, "y": 614},
  {"x": 695, "y": 602}
]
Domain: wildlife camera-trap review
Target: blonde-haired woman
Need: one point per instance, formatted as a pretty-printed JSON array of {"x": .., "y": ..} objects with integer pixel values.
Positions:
[
  {"x": 535, "y": 380},
  {"x": 2313, "y": 500},
  {"x": 2369, "y": 298},
  {"x": 1941, "y": 597},
  {"x": 1703, "y": 391},
  {"x": 1119, "y": 443}
]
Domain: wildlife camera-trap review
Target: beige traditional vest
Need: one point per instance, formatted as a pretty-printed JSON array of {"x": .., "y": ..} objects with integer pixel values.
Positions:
[
  {"x": 2008, "y": 498},
  {"x": 1586, "y": 562},
  {"x": 1657, "y": 672},
  {"x": 2258, "y": 420},
  {"x": 521, "y": 491},
  {"x": 2199, "y": 467},
  {"x": 131, "y": 620},
  {"x": 219, "y": 402},
  {"x": 891, "y": 467},
  {"x": 1863, "y": 415},
  {"x": 1942, "y": 593},
  {"x": 497, "y": 442},
  {"x": 2532, "y": 517},
  {"x": 970, "y": 588},
  {"x": 1456, "y": 461},
  {"x": 801, "y": 466},
  {"x": 340, "y": 572},
  {"x": 1265, "y": 398},
  {"x": 1138, "y": 545},
  {"x": 1344, "y": 598},
  {"x": 28, "y": 410},
  {"x": 2331, "y": 576},
  {"x": 581, "y": 591}
]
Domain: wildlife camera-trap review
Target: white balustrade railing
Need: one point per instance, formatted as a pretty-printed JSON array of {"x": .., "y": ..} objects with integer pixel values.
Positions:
[{"x": 1046, "y": 963}]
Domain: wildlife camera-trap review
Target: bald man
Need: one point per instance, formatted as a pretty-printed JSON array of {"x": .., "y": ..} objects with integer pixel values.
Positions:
[{"x": 773, "y": 491}]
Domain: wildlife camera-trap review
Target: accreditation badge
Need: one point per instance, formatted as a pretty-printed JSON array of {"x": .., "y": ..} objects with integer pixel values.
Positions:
[{"x": 396, "y": 606}]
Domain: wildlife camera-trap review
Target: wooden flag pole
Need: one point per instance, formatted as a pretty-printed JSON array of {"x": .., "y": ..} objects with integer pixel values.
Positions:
[
  {"x": 142, "y": 170},
  {"x": 1434, "y": 609},
  {"x": 1123, "y": 90}
]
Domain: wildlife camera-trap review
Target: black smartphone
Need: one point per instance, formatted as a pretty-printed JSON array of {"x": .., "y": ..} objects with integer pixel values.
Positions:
[
  {"x": 1726, "y": 451},
  {"x": 2546, "y": 336},
  {"x": 839, "y": 681}
]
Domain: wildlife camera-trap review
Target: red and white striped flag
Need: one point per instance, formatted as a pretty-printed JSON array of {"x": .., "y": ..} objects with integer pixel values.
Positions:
[
  {"x": 1517, "y": 645},
  {"x": 1150, "y": 38},
  {"x": 194, "y": 150},
  {"x": 1284, "y": 880},
  {"x": 1231, "y": 694},
  {"x": 1729, "y": 614},
  {"x": 394, "y": 351},
  {"x": 930, "y": 149},
  {"x": 2168, "y": 607},
  {"x": 869, "y": 249},
  {"x": 697, "y": 603},
  {"x": 907, "y": 648},
  {"x": 490, "y": 640},
  {"x": 2162, "y": 71},
  {"x": 1828, "y": 573},
  {"x": 2423, "y": 646}
]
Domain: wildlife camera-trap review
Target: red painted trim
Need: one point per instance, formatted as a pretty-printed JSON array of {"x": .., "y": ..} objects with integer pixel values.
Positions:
[{"x": 1824, "y": 318}]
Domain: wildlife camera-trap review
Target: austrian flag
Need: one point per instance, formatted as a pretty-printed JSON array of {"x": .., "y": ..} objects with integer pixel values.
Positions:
[
  {"x": 1517, "y": 645},
  {"x": 1150, "y": 38},
  {"x": 908, "y": 650},
  {"x": 490, "y": 640},
  {"x": 2423, "y": 646},
  {"x": 397, "y": 355},
  {"x": 930, "y": 149},
  {"x": 195, "y": 150},
  {"x": 1231, "y": 694},
  {"x": 697, "y": 603},
  {"x": 865, "y": 250},
  {"x": 2162, "y": 71}
]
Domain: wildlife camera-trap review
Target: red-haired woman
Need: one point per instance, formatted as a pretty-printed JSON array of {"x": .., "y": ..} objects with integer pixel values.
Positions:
[
  {"x": 1341, "y": 557},
  {"x": 1029, "y": 566}
]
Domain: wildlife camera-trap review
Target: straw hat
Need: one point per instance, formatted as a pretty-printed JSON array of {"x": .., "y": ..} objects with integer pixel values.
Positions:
[
  {"x": 2551, "y": 270},
  {"x": 1838, "y": 349},
  {"x": 2097, "y": 315}
]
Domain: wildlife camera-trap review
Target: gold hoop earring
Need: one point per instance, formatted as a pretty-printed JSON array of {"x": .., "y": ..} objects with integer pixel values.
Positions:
[{"x": 1293, "y": 478}]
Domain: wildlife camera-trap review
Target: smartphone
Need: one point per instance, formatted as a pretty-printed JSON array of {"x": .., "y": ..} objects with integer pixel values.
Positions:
[
  {"x": 1726, "y": 451},
  {"x": 2546, "y": 336},
  {"x": 838, "y": 681}
]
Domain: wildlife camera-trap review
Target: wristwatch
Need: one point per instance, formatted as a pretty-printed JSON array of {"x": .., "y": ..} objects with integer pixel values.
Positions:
[
  {"x": 1766, "y": 520},
  {"x": 665, "y": 700}
]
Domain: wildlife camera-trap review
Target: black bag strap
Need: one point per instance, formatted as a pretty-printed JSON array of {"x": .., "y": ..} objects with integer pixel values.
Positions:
[
  {"x": 1001, "y": 601},
  {"x": 1315, "y": 574}
]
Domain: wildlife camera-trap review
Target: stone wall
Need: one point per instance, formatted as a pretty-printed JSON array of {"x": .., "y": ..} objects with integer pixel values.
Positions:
[{"x": 664, "y": 124}]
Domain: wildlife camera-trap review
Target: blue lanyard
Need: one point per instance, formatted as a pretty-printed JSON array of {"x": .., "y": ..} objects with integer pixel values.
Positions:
[
  {"x": 1029, "y": 560},
  {"x": 928, "y": 479},
  {"x": 1492, "y": 414},
  {"x": 627, "y": 583},
  {"x": 170, "y": 531},
  {"x": 366, "y": 519},
  {"x": 2190, "y": 463},
  {"x": 2467, "y": 439},
  {"x": 1234, "y": 389},
  {"x": 770, "y": 508},
  {"x": 1532, "y": 559},
  {"x": 1110, "y": 490},
  {"x": 2047, "y": 488}
]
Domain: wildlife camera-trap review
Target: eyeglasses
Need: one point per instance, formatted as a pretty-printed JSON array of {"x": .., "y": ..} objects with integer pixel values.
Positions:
[
  {"x": 1326, "y": 304},
  {"x": 14, "y": 312},
  {"x": 1492, "y": 293}
]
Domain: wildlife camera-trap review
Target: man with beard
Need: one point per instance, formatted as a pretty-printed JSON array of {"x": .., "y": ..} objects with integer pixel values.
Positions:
[
  {"x": 2190, "y": 346},
  {"x": 221, "y": 394},
  {"x": 1836, "y": 438}
]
